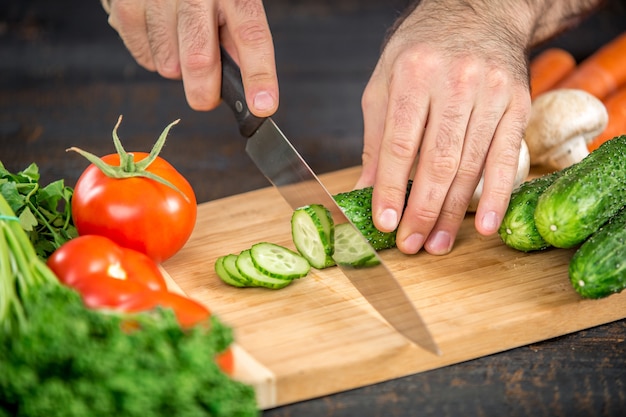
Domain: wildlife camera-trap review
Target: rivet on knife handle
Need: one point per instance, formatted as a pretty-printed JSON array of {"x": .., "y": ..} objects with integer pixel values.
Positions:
[{"x": 234, "y": 96}]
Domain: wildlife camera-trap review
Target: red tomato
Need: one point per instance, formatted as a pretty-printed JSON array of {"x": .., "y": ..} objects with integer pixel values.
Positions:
[
  {"x": 226, "y": 361},
  {"x": 136, "y": 212},
  {"x": 188, "y": 312},
  {"x": 107, "y": 293},
  {"x": 104, "y": 273}
]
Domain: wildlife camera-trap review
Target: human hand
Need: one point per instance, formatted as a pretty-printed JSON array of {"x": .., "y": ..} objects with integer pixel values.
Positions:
[
  {"x": 451, "y": 87},
  {"x": 181, "y": 38}
]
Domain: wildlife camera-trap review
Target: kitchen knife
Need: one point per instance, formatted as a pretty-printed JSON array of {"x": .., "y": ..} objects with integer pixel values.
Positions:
[{"x": 283, "y": 166}]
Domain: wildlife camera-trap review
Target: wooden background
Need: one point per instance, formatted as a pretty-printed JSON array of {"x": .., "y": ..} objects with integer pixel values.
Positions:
[{"x": 65, "y": 77}]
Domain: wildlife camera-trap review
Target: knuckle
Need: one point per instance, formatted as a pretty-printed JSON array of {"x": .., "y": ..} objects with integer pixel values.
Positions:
[
  {"x": 369, "y": 97},
  {"x": 260, "y": 78},
  {"x": 200, "y": 99},
  {"x": 402, "y": 148},
  {"x": 143, "y": 56},
  {"x": 253, "y": 33},
  {"x": 423, "y": 214},
  {"x": 498, "y": 79},
  {"x": 250, "y": 8},
  {"x": 367, "y": 156},
  {"x": 403, "y": 112},
  {"x": 198, "y": 64},
  {"x": 124, "y": 12},
  {"x": 500, "y": 194},
  {"x": 454, "y": 210},
  {"x": 443, "y": 168},
  {"x": 469, "y": 171},
  {"x": 418, "y": 57},
  {"x": 466, "y": 72}
]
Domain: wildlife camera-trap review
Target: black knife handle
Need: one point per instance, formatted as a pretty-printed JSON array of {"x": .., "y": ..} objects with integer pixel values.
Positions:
[{"x": 234, "y": 96}]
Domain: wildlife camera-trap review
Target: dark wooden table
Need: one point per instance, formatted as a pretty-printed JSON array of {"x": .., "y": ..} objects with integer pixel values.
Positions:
[{"x": 65, "y": 77}]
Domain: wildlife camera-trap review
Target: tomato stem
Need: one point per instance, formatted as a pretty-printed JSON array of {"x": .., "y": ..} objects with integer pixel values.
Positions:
[{"x": 128, "y": 168}]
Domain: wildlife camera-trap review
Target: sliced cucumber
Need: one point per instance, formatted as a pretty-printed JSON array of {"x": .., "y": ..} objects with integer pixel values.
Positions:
[
  {"x": 255, "y": 277},
  {"x": 350, "y": 249},
  {"x": 230, "y": 265},
  {"x": 278, "y": 262},
  {"x": 224, "y": 274},
  {"x": 313, "y": 234}
]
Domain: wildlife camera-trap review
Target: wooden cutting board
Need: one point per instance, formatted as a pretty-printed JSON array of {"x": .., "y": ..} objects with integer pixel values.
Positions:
[{"x": 319, "y": 336}]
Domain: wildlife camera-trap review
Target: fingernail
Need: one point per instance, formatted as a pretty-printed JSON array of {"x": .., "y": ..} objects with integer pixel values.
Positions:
[
  {"x": 439, "y": 243},
  {"x": 413, "y": 243},
  {"x": 388, "y": 220},
  {"x": 490, "y": 221},
  {"x": 263, "y": 101}
]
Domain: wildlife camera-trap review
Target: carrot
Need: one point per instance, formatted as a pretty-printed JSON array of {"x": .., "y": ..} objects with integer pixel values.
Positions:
[
  {"x": 616, "y": 108},
  {"x": 602, "y": 72},
  {"x": 548, "y": 68}
]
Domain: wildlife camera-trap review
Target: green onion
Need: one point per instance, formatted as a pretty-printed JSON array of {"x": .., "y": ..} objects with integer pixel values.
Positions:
[{"x": 20, "y": 270}]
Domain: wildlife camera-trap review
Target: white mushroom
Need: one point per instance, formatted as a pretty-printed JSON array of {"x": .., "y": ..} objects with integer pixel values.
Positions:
[
  {"x": 523, "y": 168},
  {"x": 562, "y": 122}
]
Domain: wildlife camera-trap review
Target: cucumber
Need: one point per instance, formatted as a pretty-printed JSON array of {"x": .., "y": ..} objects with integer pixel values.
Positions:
[
  {"x": 224, "y": 274},
  {"x": 518, "y": 230},
  {"x": 313, "y": 234},
  {"x": 357, "y": 206},
  {"x": 255, "y": 277},
  {"x": 598, "y": 267},
  {"x": 263, "y": 265},
  {"x": 350, "y": 249},
  {"x": 585, "y": 197},
  {"x": 319, "y": 242},
  {"x": 230, "y": 266},
  {"x": 278, "y": 261}
]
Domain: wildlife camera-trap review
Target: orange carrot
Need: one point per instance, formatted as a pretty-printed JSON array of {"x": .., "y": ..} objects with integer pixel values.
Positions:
[
  {"x": 616, "y": 108},
  {"x": 601, "y": 73},
  {"x": 548, "y": 68}
]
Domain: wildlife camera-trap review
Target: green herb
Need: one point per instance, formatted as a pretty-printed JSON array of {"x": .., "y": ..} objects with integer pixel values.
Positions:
[
  {"x": 44, "y": 212},
  {"x": 73, "y": 361},
  {"x": 20, "y": 271},
  {"x": 59, "y": 358}
]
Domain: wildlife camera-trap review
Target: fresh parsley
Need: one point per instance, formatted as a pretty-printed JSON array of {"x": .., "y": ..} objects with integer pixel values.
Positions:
[{"x": 44, "y": 212}]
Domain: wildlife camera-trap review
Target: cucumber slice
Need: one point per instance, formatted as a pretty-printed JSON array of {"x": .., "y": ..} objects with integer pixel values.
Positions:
[
  {"x": 255, "y": 277},
  {"x": 313, "y": 234},
  {"x": 224, "y": 275},
  {"x": 278, "y": 261},
  {"x": 350, "y": 250},
  {"x": 230, "y": 265}
]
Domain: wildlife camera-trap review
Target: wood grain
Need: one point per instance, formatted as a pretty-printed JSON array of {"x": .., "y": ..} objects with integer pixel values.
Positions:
[{"x": 319, "y": 336}]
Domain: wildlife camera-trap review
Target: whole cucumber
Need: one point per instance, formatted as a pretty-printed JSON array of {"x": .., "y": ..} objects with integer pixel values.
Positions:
[
  {"x": 518, "y": 230},
  {"x": 598, "y": 267},
  {"x": 585, "y": 197}
]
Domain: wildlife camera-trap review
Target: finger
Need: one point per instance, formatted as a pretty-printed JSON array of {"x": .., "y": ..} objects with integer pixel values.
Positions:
[
  {"x": 250, "y": 34},
  {"x": 198, "y": 45},
  {"x": 128, "y": 19},
  {"x": 481, "y": 128},
  {"x": 440, "y": 156},
  {"x": 501, "y": 165},
  {"x": 374, "y": 106},
  {"x": 405, "y": 119},
  {"x": 161, "y": 28}
]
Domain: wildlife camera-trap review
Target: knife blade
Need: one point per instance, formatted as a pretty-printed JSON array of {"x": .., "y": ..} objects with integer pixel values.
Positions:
[{"x": 283, "y": 166}]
